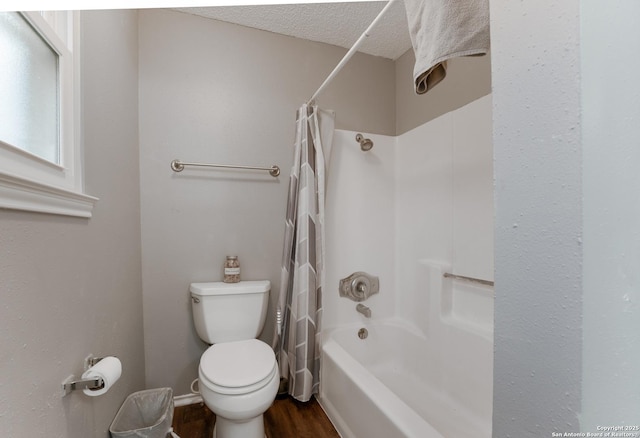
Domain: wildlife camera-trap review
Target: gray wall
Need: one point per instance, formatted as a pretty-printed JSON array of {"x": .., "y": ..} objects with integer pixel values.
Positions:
[
  {"x": 468, "y": 79},
  {"x": 71, "y": 287},
  {"x": 221, "y": 93}
]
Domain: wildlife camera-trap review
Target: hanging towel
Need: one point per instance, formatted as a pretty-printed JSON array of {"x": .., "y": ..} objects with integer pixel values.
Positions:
[{"x": 445, "y": 29}]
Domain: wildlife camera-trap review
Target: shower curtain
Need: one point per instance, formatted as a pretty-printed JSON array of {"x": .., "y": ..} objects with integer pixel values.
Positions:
[{"x": 302, "y": 276}]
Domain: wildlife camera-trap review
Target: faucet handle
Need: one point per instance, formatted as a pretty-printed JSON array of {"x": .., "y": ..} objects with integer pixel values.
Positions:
[{"x": 359, "y": 286}]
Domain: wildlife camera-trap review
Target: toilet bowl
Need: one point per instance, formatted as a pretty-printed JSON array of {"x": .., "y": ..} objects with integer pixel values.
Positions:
[{"x": 238, "y": 382}]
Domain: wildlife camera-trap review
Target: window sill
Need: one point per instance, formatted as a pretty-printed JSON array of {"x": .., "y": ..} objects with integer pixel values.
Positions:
[{"x": 21, "y": 194}]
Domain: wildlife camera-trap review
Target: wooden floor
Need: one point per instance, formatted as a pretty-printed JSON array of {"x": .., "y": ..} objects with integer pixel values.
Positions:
[{"x": 285, "y": 418}]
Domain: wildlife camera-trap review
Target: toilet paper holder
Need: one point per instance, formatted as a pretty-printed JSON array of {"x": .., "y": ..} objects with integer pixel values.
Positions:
[{"x": 70, "y": 384}]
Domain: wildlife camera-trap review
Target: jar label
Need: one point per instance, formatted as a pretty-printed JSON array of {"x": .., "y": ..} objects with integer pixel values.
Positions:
[{"x": 231, "y": 271}]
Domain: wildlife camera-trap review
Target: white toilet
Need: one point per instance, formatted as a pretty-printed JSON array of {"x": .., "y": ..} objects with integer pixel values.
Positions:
[{"x": 238, "y": 374}]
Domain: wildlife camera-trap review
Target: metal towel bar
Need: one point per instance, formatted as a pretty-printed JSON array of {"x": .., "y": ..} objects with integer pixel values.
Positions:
[
  {"x": 178, "y": 166},
  {"x": 462, "y": 277}
]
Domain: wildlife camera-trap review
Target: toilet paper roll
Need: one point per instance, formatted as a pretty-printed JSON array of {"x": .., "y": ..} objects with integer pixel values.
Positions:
[{"x": 108, "y": 369}]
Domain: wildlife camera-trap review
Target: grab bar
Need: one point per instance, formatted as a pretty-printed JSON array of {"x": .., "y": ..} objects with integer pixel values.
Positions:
[
  {"x": 471, "y": 279},
  {"x": 178, "y": 166}
]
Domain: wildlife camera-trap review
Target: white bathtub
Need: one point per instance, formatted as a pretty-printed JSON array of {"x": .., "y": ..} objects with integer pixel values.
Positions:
[{"x": 391, "y": 385}]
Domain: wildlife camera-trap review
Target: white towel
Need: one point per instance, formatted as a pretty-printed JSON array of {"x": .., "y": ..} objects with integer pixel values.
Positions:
[{"x": 445, "y": 29}]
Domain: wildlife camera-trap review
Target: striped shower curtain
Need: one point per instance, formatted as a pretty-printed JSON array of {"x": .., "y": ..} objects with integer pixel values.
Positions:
[{"x": 302, "y": 276}]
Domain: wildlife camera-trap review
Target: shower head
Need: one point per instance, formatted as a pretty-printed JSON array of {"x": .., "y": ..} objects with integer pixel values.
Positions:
[{"x": 365, "y": 143}]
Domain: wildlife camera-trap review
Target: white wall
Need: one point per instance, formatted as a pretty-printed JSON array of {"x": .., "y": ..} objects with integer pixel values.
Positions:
[
  {"x": 425, "y": 195},
  {"x": 412, "y": 208},
  {"x": 71, "y": 286},
  {"x": 444, "y": 202},
  {"x": 444, "y": 223},
  {"x": 538, "y": 222},
  {"x": 359, "y": 224},
  {"x": 611, "y": 159},
  {"x": 566, "y": 155},
  {"x": 472, "y": 140}
]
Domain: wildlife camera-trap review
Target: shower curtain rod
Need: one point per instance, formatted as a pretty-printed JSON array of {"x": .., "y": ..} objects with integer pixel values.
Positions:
[{"x": 350, "y": 53}]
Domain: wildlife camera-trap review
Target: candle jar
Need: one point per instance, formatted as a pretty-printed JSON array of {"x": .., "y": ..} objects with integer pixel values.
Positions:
[{"x": 232, "y": 270}]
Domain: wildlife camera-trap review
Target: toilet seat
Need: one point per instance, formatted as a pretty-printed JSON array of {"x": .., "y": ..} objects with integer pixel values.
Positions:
[{"x": 238, "y": 367}]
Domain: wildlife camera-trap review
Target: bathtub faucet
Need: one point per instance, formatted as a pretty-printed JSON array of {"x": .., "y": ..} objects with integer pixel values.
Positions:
[{"x": 361, "y": 308}]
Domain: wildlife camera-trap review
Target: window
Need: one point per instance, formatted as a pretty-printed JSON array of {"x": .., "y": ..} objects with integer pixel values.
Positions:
[
  {"x": 28, "y": 89},
  {"x": 40, "y": 166}
]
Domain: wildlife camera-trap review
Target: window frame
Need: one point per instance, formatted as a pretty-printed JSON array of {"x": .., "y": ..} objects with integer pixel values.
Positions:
[{"x": 29, "y": 182}]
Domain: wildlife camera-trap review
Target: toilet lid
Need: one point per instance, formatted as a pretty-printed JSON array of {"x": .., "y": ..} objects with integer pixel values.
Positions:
[{"x": 237, "y": 364}]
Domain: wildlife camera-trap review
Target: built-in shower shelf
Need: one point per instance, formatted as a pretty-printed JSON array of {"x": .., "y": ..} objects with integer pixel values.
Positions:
[{"x": 468, "y": 305}]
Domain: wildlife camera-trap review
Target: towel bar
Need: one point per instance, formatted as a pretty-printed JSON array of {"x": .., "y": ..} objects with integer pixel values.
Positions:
[
  {"x": 471, "y": 279},
  {"x": 178, "y": 166}
]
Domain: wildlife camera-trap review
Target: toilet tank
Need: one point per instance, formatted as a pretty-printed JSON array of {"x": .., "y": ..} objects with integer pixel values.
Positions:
[{"x": 225, "y": 312}]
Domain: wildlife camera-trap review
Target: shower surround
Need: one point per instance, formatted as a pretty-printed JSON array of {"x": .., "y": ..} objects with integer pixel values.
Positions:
[{"x": 414, "y": 207}]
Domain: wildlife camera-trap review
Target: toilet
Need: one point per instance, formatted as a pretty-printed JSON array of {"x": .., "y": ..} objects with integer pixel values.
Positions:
[{"x": 238, "y": 374}]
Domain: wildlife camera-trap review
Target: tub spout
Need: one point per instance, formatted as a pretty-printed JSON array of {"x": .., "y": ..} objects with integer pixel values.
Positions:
[{"x": 361, "y": 308}]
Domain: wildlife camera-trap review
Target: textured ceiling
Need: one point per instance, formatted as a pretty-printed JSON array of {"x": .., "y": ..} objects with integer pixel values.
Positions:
[{"x": 339, "y": 24}]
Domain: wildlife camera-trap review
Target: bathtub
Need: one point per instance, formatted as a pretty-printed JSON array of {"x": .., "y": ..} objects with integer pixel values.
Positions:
[{"x": 391, "y": 385}]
